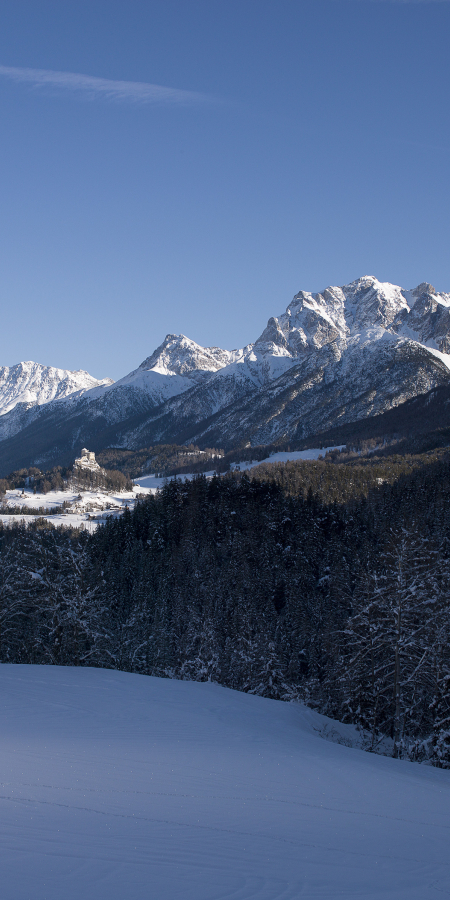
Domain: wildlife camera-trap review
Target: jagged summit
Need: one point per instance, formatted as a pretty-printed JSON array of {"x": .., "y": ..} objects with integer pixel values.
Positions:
[
  {"x": 340, "y": 314},
  {"x": 335, "y": 356},
  {"x": 34, "y": 384},
  {"x": 182, "y": 356},
  {"x": 424, "y": 288}
]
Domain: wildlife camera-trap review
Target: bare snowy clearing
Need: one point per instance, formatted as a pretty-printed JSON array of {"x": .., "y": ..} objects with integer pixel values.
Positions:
[
  {"x": 124, "y": 786},
  {"x": 78, "y": 509},
  {"x": 289, "y": 456}
]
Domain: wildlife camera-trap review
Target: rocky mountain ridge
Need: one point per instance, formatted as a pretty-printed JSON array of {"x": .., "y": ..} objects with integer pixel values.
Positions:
[
  {"x": 339, "y": 355},
  {"x": 29, "y": 385},
  {"x": 34, "y": 384}
]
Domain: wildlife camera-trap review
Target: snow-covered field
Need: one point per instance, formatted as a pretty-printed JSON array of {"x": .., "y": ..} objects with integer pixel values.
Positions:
[
  {"x": 125, "y": 787},
  {"x": 85, "y": 509}
]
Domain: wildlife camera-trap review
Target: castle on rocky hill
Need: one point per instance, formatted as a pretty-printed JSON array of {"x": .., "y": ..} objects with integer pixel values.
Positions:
[{"x": 87, "y": 461}]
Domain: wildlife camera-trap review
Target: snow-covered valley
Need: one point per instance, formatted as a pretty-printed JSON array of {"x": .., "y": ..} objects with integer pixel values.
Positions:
[
  {"x": 122, "y": 786},
  {"x": 87, "y": 509}
]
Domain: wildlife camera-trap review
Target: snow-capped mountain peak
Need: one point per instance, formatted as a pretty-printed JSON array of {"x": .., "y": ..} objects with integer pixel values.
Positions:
[
  {"x": 179, "y": 355},
  {"x": 35, "y": 384},
  {"x": 364, "y": 307},
  {"x": 177, "y": 365}
]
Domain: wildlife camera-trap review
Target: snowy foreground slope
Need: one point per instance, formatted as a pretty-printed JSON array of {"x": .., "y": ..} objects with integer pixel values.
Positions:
[{"x": 125, "y": 787}]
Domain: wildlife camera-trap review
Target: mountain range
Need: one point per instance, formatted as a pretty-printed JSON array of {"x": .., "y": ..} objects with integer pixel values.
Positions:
[{"x": 342, "y": 355}]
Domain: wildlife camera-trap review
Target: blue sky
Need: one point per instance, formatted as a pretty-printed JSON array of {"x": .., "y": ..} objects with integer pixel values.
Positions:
[{"x": 188, "y": 166}]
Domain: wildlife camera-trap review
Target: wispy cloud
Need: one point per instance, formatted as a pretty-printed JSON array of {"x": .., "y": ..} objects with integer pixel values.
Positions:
[{"x": 92, "y": 87}]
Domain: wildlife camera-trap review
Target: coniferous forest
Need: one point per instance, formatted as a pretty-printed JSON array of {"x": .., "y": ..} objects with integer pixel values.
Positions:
[{"x": 261, "y": 586}]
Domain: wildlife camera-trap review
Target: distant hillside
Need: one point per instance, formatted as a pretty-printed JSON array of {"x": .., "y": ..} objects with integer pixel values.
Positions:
[{"x": 421, "y": 423}]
